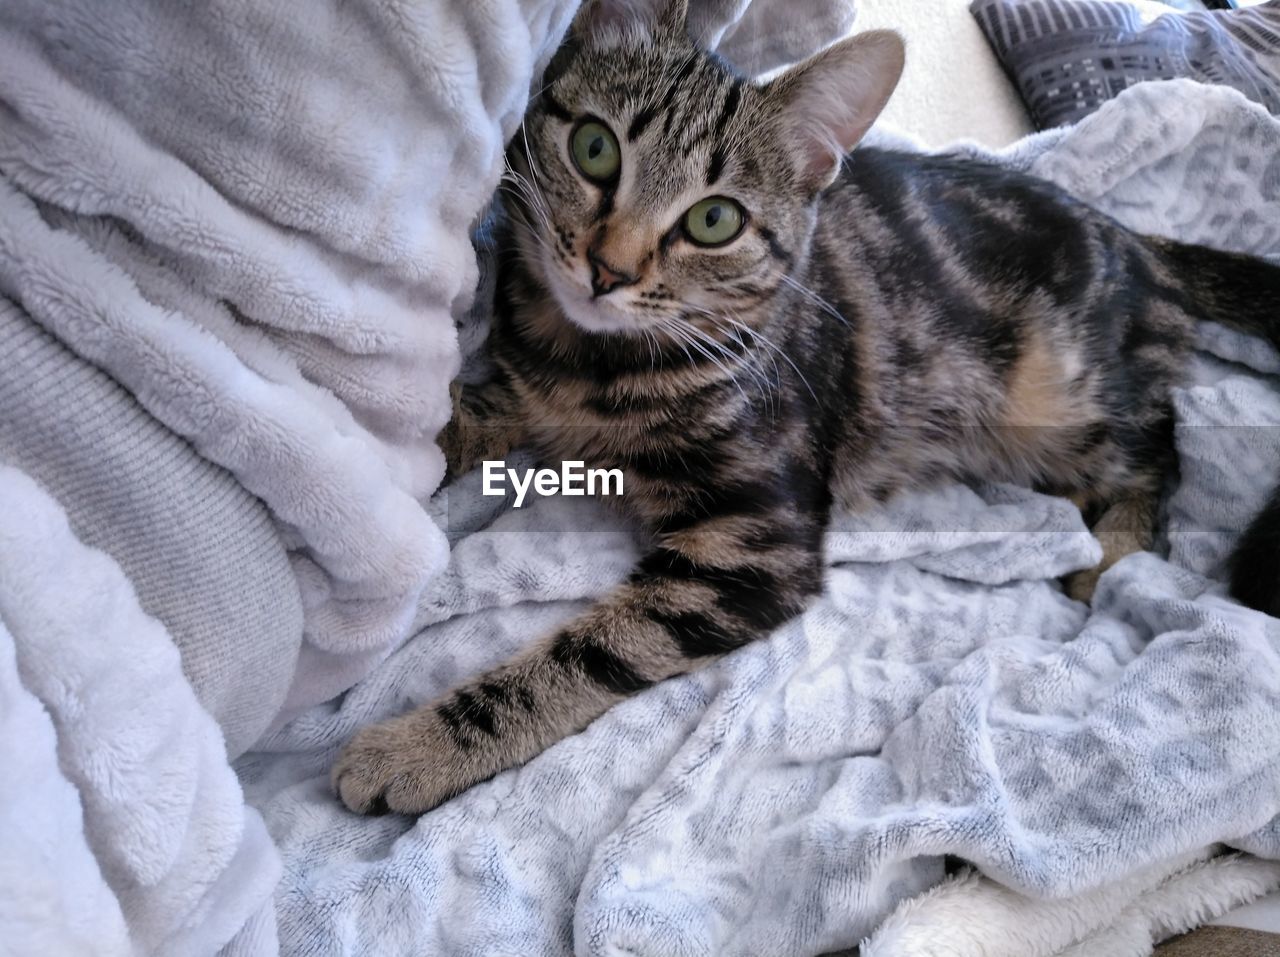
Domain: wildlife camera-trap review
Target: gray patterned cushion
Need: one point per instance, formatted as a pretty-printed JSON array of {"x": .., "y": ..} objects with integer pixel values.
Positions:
[{"x": 1068, "y": 57}]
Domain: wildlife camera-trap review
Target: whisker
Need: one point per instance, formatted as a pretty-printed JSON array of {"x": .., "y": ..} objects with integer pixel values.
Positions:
[
  {"x": 814, "y": 298},
  {"x": 756, "y": 333},
  {"x": 768, "y": 387},
  {"x": 673, "y": 334},
  {"x": 690, "y": 335},
  {"x": 524, "y": 189},
  {"x": 748, "y": 364},
  {"x": 537, "y": 238}
]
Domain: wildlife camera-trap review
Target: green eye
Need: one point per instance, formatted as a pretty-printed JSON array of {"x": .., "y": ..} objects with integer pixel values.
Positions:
[
  {"x": 595, "y": 151},
  {"x": 714, "y": 221}
]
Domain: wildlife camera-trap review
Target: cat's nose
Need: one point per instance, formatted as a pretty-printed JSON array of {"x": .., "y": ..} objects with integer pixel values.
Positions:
[{"x": 604, "y": 278}]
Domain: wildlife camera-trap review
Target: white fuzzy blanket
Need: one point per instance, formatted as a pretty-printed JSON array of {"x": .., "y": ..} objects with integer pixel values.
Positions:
[
  {"x": 257, "y": 222},
  {"x": 122, "y": 829},
  {"x": 252, "y": 220},
  {"x": 943, "y": 698}
]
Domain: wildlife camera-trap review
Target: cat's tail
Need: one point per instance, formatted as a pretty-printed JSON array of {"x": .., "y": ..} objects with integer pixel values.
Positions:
[
  {"x": 1242, "y": 292},
  {"x": 1234, "y": 289},
  {"x": 1254, "y": 567}
]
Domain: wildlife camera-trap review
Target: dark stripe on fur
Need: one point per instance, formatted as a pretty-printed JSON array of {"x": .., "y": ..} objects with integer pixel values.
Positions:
[
  {"x": 554, "y": 107},
  {"x": 727, "y": 498},
  {"x": 598, "y": 663},
  {"x": 495, "y": 691},
  {"x": 671, "y": 99},
  {"x": 1237, "y": 290},
  {"x": 452, "y": 719},
  {"x": 716, "y": 166},
  {"x": 775, "y": 248},
  {"x": 698, "y": 636},
  {"x": 731, "y": 583},
  {"x": 692, "y": 461},
  {"x": 640, "y": 123},
  {"x": 476, "y": 712},
  {"x": 606, "y": 204},
  {"x": 731, "y": 101}
]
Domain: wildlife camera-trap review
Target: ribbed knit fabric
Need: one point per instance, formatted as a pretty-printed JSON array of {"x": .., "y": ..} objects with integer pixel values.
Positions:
[
  {"x": 201, "y": 552},
  {"x": 106, "y": 749},
  {"x": 1222, "y": 942}
]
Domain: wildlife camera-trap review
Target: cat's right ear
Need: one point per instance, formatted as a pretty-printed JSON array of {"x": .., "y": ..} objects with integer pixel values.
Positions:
[
  {"x": 609, "y": 23},
  {"x": 828, "y": 102}
]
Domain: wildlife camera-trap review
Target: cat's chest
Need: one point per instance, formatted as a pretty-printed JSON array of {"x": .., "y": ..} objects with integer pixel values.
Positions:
[
  {"x": 569, "y": 421},
  {"x": 606, "y": 407}
]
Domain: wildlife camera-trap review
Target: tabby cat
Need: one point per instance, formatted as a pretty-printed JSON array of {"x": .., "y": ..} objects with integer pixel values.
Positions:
[{"x": 702, "y": 290}]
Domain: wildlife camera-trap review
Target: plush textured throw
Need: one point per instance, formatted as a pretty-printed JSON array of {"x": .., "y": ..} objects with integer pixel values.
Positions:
[
  {"x": 943, "y": 698},
  {"x": 123, "y": 831},
  {"x": 256, "y": 223},
  {"x": 1067, "y": 57},
  {"x": 232, "y": 240},
  {"x": 972, "y": 916},
  {"x": 201, "y": 551}
]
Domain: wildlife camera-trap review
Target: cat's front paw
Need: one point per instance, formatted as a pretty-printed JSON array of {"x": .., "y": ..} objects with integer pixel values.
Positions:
[{"x": 407, "y": 765}]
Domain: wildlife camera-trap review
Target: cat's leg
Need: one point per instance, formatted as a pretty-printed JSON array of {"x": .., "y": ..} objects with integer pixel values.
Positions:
[
  {"x": 703, "y": 591},
  {"x": 485, "y": 425},
  {"x": 1125, "y": 525}
]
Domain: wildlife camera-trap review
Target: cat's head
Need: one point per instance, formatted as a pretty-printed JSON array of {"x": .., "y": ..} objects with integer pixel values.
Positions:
[{"x": 659, "y": 186}]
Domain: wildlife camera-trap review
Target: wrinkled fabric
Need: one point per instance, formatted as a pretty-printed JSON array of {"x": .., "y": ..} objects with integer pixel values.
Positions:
[
  {"x": 257, "y": 223},
  {"x": 124, "y": 830}
]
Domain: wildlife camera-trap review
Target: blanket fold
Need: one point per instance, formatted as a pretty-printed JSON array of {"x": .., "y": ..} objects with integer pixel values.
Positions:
[
  {"x": 972, "y": 916},
  {"x": 257, "y": 223},
  {"x": 141, "y": 813},
  {"x": 160, "y": 498}
]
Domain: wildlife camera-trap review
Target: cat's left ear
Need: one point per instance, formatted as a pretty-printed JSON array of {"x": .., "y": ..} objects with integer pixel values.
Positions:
[
  {"x": 609, "y": 23},
  {"x": 829, "y": 101}
]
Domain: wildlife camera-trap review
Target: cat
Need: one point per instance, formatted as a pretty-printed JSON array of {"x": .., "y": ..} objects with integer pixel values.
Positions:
[{"x": 704, "y": 288}]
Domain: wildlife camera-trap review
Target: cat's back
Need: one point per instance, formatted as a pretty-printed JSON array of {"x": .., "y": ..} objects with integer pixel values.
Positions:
[{"x": 923, "y": 217}]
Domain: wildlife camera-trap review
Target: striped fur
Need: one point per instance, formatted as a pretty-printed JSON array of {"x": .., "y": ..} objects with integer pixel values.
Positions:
[{"x": 888, "y": 324}]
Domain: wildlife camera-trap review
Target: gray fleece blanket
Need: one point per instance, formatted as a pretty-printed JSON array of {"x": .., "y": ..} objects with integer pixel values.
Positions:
[{"x": 942, "y": 698}]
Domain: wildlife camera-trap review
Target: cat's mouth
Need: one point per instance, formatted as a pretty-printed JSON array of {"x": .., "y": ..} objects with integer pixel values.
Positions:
[{"x": 605, "y": 314}]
